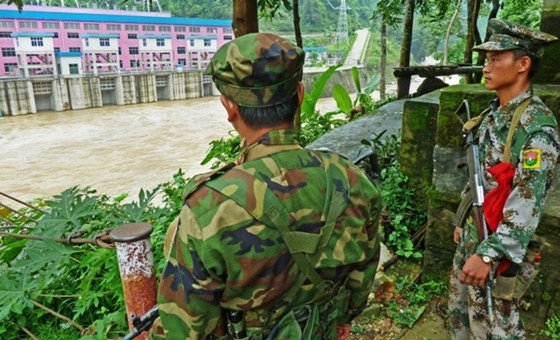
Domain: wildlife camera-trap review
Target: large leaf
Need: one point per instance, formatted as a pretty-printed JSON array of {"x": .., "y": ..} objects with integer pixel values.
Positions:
[
  {"x": 372, "y": 84},
  {"x": 356, "y": 76},
  {"x": 342, "y": 98},
  {"x": 310, "y": 98}
]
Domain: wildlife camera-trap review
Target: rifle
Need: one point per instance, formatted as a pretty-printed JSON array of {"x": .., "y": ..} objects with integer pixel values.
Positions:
[
  {"x": 477, "y": 190},
  {"x": 142, "y": 323}
]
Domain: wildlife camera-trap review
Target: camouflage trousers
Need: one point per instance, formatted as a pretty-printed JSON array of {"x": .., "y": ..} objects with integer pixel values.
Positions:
[{"x": 468, "y": 318}]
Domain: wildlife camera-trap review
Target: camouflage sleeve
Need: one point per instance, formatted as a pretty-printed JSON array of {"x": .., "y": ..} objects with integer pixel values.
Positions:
[
  {"x": 524, "y": 206},
  {"x": 189, "y": 293},
  {"x": 360, "y": 278}
]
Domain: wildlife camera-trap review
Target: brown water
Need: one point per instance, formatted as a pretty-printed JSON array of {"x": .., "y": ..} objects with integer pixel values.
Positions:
[{"x": 113, "y": 149}]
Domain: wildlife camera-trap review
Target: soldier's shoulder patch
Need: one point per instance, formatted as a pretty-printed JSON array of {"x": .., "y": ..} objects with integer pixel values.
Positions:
[{"x": 531, "y": 159}]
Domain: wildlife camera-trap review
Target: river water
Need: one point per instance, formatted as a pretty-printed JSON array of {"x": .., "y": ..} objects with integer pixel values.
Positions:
[{"x": 113, "y": 149}]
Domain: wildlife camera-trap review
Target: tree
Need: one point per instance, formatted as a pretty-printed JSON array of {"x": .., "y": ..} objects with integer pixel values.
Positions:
[
  {"x": 245, "y": 17},
  {"x": 389, "y": 13},
  {"x": 448, "y": 32},
  {"x": 403, "y": 83}
]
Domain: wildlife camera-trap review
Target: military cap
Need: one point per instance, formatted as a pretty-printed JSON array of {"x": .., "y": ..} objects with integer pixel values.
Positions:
[
  {"x": 257, "y": 69},
  {"x": 507, "y": 36}
]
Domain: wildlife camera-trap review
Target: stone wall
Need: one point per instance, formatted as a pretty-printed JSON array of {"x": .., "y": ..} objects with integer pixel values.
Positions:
[
  {"x": 444, "y": 197},
  {"x": 549, "y": 73}
]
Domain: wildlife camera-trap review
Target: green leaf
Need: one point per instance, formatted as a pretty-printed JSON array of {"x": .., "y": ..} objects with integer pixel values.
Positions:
[
  {"x": 356, "y": 76},
  {"x": 342, "y": 98},
  {"x": 372, "y": 84},
  {"x": 310, "y": 99}
]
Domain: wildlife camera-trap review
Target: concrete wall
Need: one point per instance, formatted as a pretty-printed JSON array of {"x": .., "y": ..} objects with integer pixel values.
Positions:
[{"x": 341, "y": 76}]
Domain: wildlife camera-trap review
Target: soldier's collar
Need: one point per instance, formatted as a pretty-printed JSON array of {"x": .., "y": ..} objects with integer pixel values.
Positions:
[
  {"x": 273, "y": 141},
  {"x": 508, "y": 109}
]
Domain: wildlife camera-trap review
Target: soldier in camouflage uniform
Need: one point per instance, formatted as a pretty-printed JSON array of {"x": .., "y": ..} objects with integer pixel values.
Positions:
[
  {"x": 512, "y": 53},
  {"x": 287, "y": 236}
]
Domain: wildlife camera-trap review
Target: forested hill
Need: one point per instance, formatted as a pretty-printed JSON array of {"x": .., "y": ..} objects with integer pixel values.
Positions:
[{"x": 317, "y": 16}]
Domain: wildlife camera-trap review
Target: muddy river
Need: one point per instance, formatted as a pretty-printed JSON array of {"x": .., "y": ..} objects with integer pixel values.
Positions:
[{"x": 113, "y": 149}]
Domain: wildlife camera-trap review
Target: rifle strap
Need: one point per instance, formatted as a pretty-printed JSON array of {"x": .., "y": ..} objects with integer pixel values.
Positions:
[{"x": 514, "y": 122}]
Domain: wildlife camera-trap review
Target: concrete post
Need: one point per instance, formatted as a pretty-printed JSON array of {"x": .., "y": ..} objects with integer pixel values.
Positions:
[
  {"x": 549, "y": 73},
  {"x": 136, "y": 266}
]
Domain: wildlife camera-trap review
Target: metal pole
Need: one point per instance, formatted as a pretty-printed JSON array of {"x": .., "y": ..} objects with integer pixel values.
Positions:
[{"x": 136, "y": 265}]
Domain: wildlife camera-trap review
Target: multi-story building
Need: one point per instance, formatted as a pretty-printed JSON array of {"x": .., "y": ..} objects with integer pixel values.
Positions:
[{"x": 104, "y": 40}]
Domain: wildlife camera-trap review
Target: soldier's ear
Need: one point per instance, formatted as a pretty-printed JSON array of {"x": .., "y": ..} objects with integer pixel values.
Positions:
[
  {"x": 300, "y": 91},
  {"x": 231, "y": 108},
  {"x": 524, "y": 64}
]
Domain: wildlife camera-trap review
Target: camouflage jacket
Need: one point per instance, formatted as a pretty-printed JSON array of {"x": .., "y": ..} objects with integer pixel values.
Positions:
[
  {"x": 535, "y": 150},
  {"x": 220, "y": 257}
]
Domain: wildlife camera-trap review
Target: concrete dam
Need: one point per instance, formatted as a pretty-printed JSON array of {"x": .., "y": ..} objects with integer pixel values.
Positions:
[{"x": 24, "y": 96}]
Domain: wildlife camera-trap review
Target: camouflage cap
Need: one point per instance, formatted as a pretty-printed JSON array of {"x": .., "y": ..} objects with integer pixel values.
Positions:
[
  {"x": 506, "y": 36},
  {"x": 257, "y": 69}
]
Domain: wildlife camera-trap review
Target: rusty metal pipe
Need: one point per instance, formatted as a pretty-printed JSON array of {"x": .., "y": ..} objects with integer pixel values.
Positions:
[{"x": 136, "y": 266}]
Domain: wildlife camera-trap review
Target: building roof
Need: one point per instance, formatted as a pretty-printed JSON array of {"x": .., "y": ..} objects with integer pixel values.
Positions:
[
  {"x": 193, "y": 37},
  {"x": 67, "y": 54},
  {"x": 32, "y": 34},
  {"x": 88, "y": 17},
  {"x": 154, "y": 36},
  {"x": 100, "y": 35},
  {"x": 315, "y": 49}
]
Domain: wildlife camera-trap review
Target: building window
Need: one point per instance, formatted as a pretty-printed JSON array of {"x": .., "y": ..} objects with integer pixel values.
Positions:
[
  {"x": 9, "y": 67},
  {"x": 27, "y": 24},
  {"x": 207, "y": 42},
  {"x": 165, "y": 28},
  {"x": 8, "y": 52},
  {"x": 160, "y": 42},
  {"x": 144, "y": 42},
  {"x": 91, "y": 27},
  {"x": 113, "y": 27},
  {"x": 148, "y": 28},
  {"x": 6, "y": 24},
  {"x": 182, "y": 62},
  {"x": 180, "y": 36},
  {"x": 180, "y": 50},
  {"x": 227, "y": 30},
  {"x": 72, "y": 25},
  {"x": 133, "y": 50},
  {"x": 132, "y": 36},
  {"x": 212, "y": 30},
  {"x": 5, "y": 35},
  {"x": 120, "y": 64},
  {"x": 193, "y": 29},
  {"x": 74, "y": 69},
  {"x": 227, "y": 37},
  {"x": 180, "y": 29},
  {"x": 135, "y": 63},
  {"x": 75, "y": 49},
  {"x": 120, "y": 51},
  {"x": 55, "y": 35},
  {"x": 191, "y": 42},
  {"x": 72, "y": 35},
  {"x": 50, "y": 25},
  {"x": 87, "y": 42},
  {"x": 131, "y": 27},
  {"x": 104, "y": 42},
  {"x": 36, "y": 41},
  {"x": 57, "y": 49}
]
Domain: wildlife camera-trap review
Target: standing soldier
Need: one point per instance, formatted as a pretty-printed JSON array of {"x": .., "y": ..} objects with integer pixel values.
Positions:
[
  {"x": 282, "y": 244},
  {"x": 515, "y": 184}
]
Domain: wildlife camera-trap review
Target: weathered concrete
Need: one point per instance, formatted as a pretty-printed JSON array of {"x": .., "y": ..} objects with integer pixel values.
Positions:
[
  {"x": 549, "y": 73},
  {"x": 418, "y": 138}
]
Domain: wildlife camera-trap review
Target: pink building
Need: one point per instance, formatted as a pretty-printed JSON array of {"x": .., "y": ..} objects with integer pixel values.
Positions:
[{"x": 192, "y": 41}]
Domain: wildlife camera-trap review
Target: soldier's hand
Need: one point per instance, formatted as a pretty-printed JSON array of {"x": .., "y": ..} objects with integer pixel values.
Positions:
[
  {"x": 457, "y": 235},
  {"x": 475, "y": 271}
]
